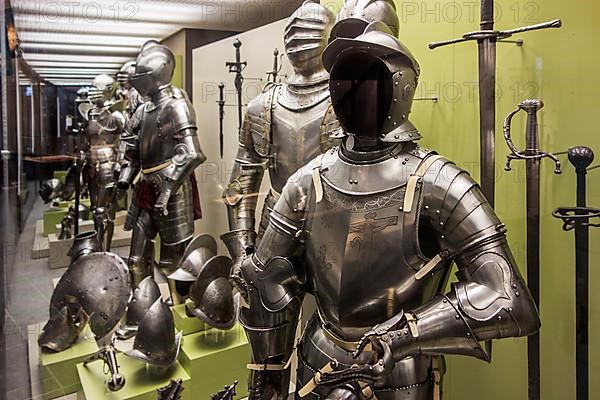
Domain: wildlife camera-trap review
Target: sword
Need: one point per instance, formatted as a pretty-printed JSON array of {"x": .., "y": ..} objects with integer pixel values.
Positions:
[
  {"x": 272, "y": 75},
  {"x": 532, "y": 156},
  {"x": 221, "y": 104},
  {"x": 237, "y": 67},
  {"x": 578, "y": 218},
  {"x": 486, "y": 39}
]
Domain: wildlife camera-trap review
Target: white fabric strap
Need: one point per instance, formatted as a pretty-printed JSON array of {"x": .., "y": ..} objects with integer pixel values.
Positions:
[
  {"x": 316, "y": 176},
  {"x": 411, "y": 321},
  {"x": 430, "y": 266},
  {"x": 266, "y": 367},
  {"x": 413, "y": 181},
  {"x": 314, "y": 382}
]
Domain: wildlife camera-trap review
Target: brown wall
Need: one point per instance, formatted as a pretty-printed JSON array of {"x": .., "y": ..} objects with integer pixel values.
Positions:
[{"x": 184, "y": 41}]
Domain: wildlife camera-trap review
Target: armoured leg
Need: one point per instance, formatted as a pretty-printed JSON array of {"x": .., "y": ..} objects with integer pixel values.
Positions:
[
  {"x": 140, "y": 258},
  {"x": 170, "y": 258}
]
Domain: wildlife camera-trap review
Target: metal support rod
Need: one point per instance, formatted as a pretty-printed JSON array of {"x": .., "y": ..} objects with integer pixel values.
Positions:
[{"x": 578, "y": 218}]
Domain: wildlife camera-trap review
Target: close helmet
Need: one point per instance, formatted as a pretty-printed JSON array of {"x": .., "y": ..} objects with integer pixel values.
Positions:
[
  {"x": 306, "y": 35},
  {"x": 373, "y": 79},
  {"x": 154, "y": 69}
]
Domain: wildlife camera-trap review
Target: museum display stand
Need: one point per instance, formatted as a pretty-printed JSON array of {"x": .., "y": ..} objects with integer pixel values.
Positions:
[
  {"x": 141, "y": 381},
  {"x": 209, "y": 359},
  {"x": 214, "y": 359}
]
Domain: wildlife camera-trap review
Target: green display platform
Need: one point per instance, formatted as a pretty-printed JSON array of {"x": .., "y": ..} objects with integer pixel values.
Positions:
[
  {"x": 55, "y": 216},
  {"x": 216, "y": 358},
  {"x": 59, "y": 370},
  {"x": 60, "y": 175},
  {"x": 139, "y": 383},
  {"x": 186, "y": 324}
]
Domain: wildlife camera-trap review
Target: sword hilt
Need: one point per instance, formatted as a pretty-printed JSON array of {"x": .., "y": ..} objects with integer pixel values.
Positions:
[
  {"x": 531, "y": 107},
  {"x": 496, "y": 35}
]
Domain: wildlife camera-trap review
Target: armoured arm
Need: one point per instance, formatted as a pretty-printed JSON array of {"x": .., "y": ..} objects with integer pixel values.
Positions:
[
  {"x": 241, "y": 195},
  {"x": 272, "y": 286},
  {"x": 129, "y": 148},
  {"x": 187, "y": 154},
  {"x": 491, "y": 299}
]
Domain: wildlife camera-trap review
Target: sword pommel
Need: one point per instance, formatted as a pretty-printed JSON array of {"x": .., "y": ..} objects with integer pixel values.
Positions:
[
  {"x": 581, "y": 157},
  {"x": 531, "y": 105}
]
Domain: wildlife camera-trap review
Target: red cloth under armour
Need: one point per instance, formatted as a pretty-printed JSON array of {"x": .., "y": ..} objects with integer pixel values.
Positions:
[{"x": 146, "y": 197}]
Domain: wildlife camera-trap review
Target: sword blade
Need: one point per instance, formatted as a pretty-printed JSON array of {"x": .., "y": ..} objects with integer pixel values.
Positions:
[
  {"x": 533, "y": 250},
  {"x": 221, "y": 138},
  {"x": 487, "y": 116},
  {"x": 582, "y": 293},
  {"x": 533, "y": 270}
]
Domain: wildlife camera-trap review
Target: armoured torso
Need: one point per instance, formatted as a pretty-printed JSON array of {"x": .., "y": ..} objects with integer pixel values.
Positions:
[
  {"x": 359, "y": 229},
  {"x": 159, "y": 126},
  {"x": 296, "y": 130},
  {"x": 103, "y": 132}
]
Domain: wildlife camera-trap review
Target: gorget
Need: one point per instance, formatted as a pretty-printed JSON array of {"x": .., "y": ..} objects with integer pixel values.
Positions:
[{"x": 299, "y": 97}]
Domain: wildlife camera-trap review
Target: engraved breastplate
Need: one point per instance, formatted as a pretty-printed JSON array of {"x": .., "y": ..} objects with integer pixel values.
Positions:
[
  {"x": 296, "y": 139},
  {"x": 363, "y": 250},
  {"x": 103, "y": 134},
  {"x": 102, "y": 129},
  {"x": 156, "y": 140}
]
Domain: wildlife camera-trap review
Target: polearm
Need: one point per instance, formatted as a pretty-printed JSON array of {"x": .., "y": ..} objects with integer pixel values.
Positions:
[
  {"x": 237, "y": 67},
  {"x": 578, "y": 218},
  {"x": 221, "y": 104},
  {"x": 532, "y": 156},
  {"x": 486, "y": 39}
]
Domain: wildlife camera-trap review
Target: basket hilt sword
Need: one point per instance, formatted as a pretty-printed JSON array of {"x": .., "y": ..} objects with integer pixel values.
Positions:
[
  {"x": 486, "y": 38},
  {"x": 532, "y": 156},
  {"x": 578, "y": 219}
]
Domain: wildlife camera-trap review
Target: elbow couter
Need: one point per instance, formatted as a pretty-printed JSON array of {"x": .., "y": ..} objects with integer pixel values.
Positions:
[{"x": 528, "y": 320}]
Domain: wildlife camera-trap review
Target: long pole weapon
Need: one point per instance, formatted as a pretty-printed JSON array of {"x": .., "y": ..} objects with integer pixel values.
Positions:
[
  {"x": 532, "y": 156},
  {"x": 221, "y": 104},
  {"x": 486, "y": 38},
  {"x": 578, "y": 218},
  {"x": 237, "y": 67}
]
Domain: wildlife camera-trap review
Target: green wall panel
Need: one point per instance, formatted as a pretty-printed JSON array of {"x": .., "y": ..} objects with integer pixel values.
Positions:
[{"x": 560, "y": 67}]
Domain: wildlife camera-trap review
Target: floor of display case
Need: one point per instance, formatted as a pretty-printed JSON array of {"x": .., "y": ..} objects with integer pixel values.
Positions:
[{"x": 28, "y": 290}]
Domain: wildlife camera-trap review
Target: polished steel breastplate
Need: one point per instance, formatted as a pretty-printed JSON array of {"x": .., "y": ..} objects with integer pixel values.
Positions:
[
  {"x": 296, "y": 139},
  {"x": 156, "y": 141},
  {"x": 363, "y": 249}
]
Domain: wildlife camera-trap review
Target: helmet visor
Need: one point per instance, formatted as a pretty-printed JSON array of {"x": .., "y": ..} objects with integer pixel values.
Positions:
[{"x": 361, "y": 88}]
